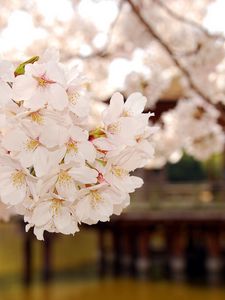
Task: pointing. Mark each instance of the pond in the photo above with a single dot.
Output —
(111, 290)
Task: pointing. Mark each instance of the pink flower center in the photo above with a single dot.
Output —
(43, 81)
(71, 146)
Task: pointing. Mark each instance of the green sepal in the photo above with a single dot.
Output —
(101, 161)
(20, 70)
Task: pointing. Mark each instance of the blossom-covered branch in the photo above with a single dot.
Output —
(169, 51)
(55, 170)
(187, 21)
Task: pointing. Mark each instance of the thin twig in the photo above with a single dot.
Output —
(169, 51)
(177, 63)
(188, 21)
(104, 52)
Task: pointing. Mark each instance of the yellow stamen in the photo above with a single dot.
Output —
(119, 172)
(36, 117)
(43, 81)
(86, 85)
(95, 197)
(32, 145)
(126, 113)
(56, 204)
(114, 128)
(71, 146)
(73, 97)
(18, 179)
(64, 178)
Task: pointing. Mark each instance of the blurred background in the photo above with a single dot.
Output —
(170, 243)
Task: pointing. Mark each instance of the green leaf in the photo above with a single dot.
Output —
(20, 70)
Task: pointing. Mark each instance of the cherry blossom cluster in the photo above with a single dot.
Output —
(54, 170)
(191, 127)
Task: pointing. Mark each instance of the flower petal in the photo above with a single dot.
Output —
(135, 104)
(84, 174)
(58, 98)
(115, 109)
(87, 150)
(42, 214)
(14, 140)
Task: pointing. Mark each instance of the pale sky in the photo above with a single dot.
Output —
(215, 18)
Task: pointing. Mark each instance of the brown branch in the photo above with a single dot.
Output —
(187, 21)
(169, 51)
(191, 23)
(191, 52)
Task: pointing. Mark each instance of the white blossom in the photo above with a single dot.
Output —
(40, 85)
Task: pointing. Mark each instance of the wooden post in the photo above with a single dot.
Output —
(27, 276)
(117, 251)
(143, 253)
(47, 267)
(102, 252)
